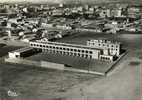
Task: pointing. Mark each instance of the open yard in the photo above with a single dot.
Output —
(72, 61)
(37, 84)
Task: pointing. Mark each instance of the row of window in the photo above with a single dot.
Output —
(62, 48)
(113, 49)
(69, 53)
(107, 45)
(105, 58)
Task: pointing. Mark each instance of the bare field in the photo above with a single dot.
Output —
(38, 84)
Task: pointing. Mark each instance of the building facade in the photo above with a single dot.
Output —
(111, 48)
(21, 53)
(83, 51)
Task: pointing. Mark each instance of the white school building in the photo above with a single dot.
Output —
(85, 51)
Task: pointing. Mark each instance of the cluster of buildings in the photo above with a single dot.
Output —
(104, 11)
(28, 21)
(90, 11)
(26, 29)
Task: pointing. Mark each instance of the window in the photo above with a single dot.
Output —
(82, 55)
(90, 52)
(53, 51)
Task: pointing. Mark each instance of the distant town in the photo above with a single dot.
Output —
(19, 20)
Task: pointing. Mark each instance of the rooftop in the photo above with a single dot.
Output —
(105, 41)
(70, 45)
(22, 49)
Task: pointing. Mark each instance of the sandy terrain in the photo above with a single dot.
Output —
(37, 84)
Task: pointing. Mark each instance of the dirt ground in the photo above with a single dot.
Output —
(37, 84)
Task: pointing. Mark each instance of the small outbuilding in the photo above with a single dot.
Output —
(23, 52)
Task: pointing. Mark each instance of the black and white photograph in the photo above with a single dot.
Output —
(70, 49)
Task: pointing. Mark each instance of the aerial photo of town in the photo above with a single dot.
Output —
(70, 49)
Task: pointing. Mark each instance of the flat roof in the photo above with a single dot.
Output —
(105, 41)
(22, 49)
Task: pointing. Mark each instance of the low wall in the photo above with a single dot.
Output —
(113, 65)
(22, 61)
(44, 64)
(50, 65)
(83, 71)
